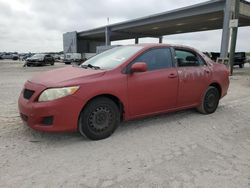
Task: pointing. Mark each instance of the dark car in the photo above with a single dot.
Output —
(214, 56)
(40, 59)
(239, 58)
(122, 84)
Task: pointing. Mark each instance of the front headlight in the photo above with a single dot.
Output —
(56, 93)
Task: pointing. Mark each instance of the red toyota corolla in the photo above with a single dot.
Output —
(121, 84)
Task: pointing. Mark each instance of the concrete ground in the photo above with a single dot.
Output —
(183, 149)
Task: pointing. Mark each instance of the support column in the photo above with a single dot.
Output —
(136, 40)
(107, 36)
(160, 39)
(234, 35)
(226, 30)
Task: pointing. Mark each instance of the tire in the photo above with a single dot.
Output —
(210, 101)
(99, 119)
(52, 63)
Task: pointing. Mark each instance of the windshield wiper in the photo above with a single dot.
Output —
(90, 66)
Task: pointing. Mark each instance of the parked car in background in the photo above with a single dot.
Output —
(40, 59)
(239, 58)
(25, 56)
(72, 57)
(13, 56)
(57, 57)
(121, 84)
(61, 57)
(214, 55)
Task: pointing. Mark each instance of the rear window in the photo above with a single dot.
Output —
(187, 58)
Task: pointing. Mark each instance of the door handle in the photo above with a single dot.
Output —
(172, 75)
(207, 71)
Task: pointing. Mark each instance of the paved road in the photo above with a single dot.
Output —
(184, 149)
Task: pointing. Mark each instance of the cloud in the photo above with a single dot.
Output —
(32, 25)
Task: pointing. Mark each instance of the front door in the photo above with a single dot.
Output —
(156, 89)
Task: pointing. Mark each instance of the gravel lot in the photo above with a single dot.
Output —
(184, 149)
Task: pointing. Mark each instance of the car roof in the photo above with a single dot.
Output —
(152, 45)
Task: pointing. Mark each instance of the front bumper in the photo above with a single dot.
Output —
(34, 62)
(60, 115)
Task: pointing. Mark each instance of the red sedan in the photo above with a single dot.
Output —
(121, 84)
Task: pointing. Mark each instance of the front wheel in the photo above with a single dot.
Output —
(210, 101)
(99, 119)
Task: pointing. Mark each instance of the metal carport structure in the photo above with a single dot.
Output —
(210, 15)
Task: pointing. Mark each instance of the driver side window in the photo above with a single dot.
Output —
(155, 59)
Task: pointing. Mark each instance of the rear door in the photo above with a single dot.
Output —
(156, 89)
(194, 76)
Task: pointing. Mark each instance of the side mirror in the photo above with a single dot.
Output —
(139, 67)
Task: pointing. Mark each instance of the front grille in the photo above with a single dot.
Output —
(27, 94)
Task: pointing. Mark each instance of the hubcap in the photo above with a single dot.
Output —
(100, 119)
(211, 101)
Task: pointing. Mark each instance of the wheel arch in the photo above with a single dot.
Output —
(114, 98)
(217, 86)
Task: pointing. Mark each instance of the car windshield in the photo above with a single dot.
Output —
(38, 56)
(112, 58)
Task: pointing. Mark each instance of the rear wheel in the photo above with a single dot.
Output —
(99, 119)
(52, 63)
(210, 101)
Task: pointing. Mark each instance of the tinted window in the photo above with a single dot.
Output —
(186, 59)
(156, 58)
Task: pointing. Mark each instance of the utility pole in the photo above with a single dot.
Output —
(235, 18)
(160, 39)
(107, 34)
(226, 29)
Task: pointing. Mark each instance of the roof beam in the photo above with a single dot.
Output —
(245, 9)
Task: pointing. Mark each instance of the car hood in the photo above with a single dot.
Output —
(66, 76)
